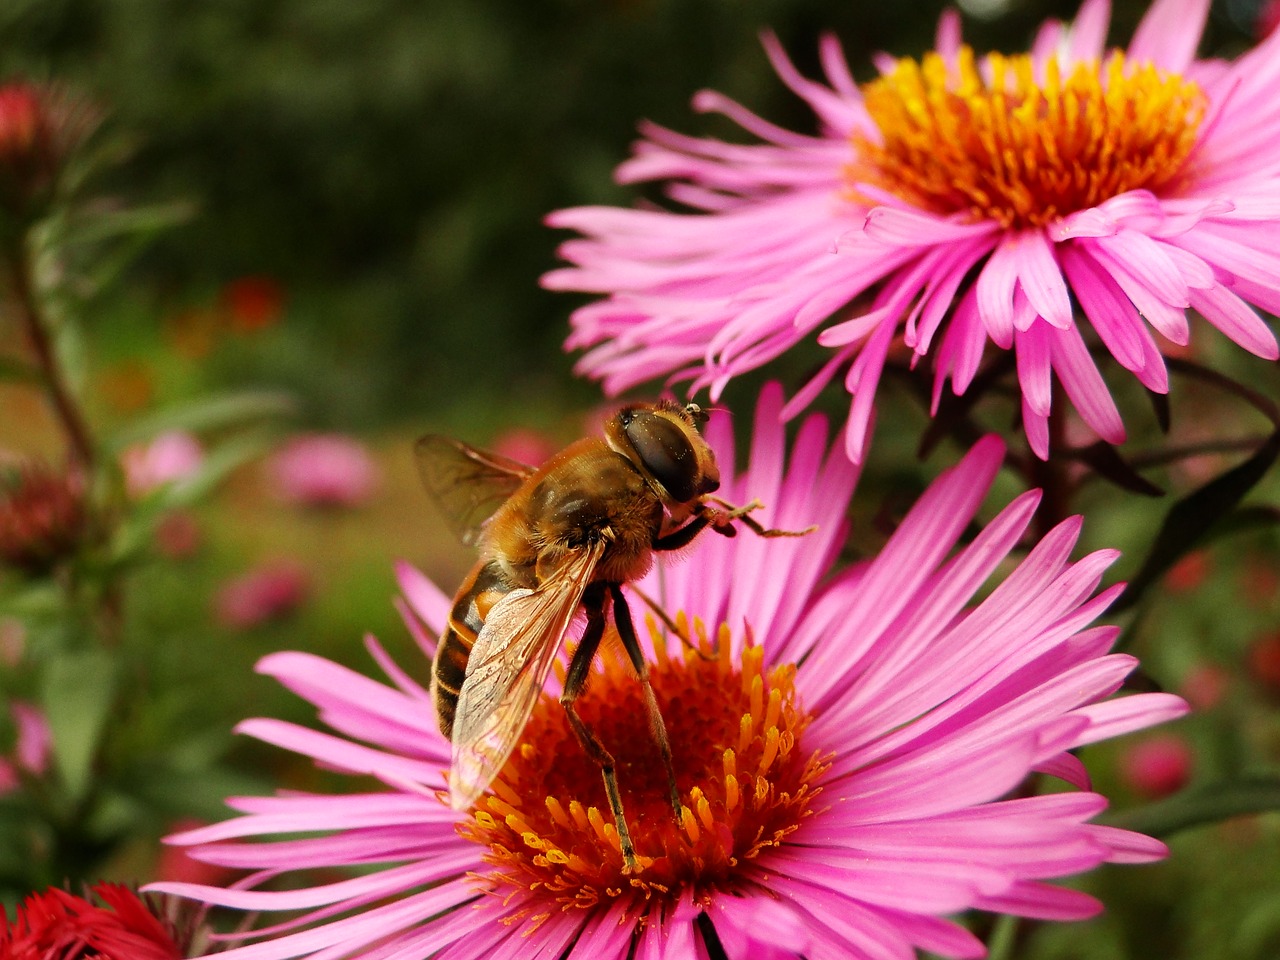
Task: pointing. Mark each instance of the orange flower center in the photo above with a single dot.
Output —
(744, 782)
(1020, 149)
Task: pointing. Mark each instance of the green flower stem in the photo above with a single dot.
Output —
(1197, 806)
(79, 439)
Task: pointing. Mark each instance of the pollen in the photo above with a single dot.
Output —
(1019, 143)
(744, 780)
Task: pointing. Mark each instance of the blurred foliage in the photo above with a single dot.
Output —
(389, 161)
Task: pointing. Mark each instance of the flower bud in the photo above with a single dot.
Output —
(42, 517)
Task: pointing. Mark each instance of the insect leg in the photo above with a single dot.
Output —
(657, 727)
(593, 602)
(719, 520)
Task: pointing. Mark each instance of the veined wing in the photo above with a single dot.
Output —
(469, 484)
(509, 664)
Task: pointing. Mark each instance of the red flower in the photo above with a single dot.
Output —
(39, 127)
(42, 517)
(253, 303)
(56, 925)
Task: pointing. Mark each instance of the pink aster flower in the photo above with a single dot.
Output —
(1030, 201)
(270, 592)
(171, 457)
(847, 746)
(1157, 766)
(324, 470)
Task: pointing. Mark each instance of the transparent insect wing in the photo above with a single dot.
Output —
(507, 669)
(467, 483)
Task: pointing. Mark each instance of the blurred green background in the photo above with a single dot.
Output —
(379, 170)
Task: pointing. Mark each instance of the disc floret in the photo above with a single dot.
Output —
(744, 779)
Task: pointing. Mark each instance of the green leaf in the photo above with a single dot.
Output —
(1106, 462)
(102, 225)
(210, 413)
(1201, 805)
(78, 693)
(1004, 938)
(1191, 518)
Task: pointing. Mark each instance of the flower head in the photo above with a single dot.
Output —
(39, 127)
(845, 745)
(272, 591)
(953, 202)
(1157, 766)
(110, 923)
(324, 470)
(171, 457)
(42, 516)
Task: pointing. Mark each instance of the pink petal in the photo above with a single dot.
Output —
(1169, 33)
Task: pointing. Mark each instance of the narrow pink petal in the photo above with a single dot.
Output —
(921, 888)
(764, 920)
(859, 328)
(815, 385)
(840, 926)
(1239, 321)
(1032, 352)
(869, 365)
(1041, 901)
(948, 37)
(1036, 427)
(1129, 847)
(1126, 714)
(341, 753)
(1110, 312)
(1169, 34)
(424, 597)
(1088, 35)
(995, 288)
(1149, 262)
(962, 347)
(1085, 386)
(905, 227)
(1041, 277)
(1068, 768)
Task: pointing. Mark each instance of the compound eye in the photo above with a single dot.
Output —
(666, 453)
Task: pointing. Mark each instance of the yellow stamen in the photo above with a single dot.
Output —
(1020, 149)
(734, 725)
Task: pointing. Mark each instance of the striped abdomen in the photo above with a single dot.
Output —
(483, 587)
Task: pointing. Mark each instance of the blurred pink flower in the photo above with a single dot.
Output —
(32, 747)
(178, 535)
(1263, 664)
(880, 720)
(324, 470)
(35, 741)
(171, 457)
(526, 446)
(271, 592)
(1157, 766)
(1204, 685)
(953, 202)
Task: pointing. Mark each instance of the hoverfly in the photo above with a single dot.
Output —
(565, 535)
